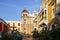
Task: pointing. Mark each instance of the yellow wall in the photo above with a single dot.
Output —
(49, 13)
(50, 19)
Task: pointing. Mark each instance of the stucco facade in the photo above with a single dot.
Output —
(27, 25)
(46, 14)
(14, 25)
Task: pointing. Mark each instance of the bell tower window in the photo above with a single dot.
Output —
(24, 14)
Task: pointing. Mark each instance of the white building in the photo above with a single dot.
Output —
(16, 25)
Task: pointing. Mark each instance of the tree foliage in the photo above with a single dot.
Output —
(12, 36)
(50, 35)
(35, 34)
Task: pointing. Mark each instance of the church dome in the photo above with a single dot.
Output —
(24, 10)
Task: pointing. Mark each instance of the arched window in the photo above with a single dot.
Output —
(52, 27)
(24, 19)
(24, 14)
(46, 28)
(45, 14)
(42, 15)
(18, 24)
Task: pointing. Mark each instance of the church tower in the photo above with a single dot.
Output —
(27, 25)
(25, 12)
(24, 20)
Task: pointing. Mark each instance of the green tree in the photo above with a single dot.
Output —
(15, 35)
(35, 33)
(55, 34)
(6, 36)
(45, 35)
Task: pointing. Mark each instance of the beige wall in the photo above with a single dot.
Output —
(16, 25)
(29, 25)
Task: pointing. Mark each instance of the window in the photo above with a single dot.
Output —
(45, 14)
(53, 26)
(24, 14)
(45, 28)
(8, 23)
(18, 24)
(42, 15)
(18, 28)
(24, 28)
(53, 10)
(45, 11)
(13, 24)
(24, 19)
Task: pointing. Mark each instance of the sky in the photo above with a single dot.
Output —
(12, 9)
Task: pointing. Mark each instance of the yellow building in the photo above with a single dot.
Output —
(46, 14)
(51, 12)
